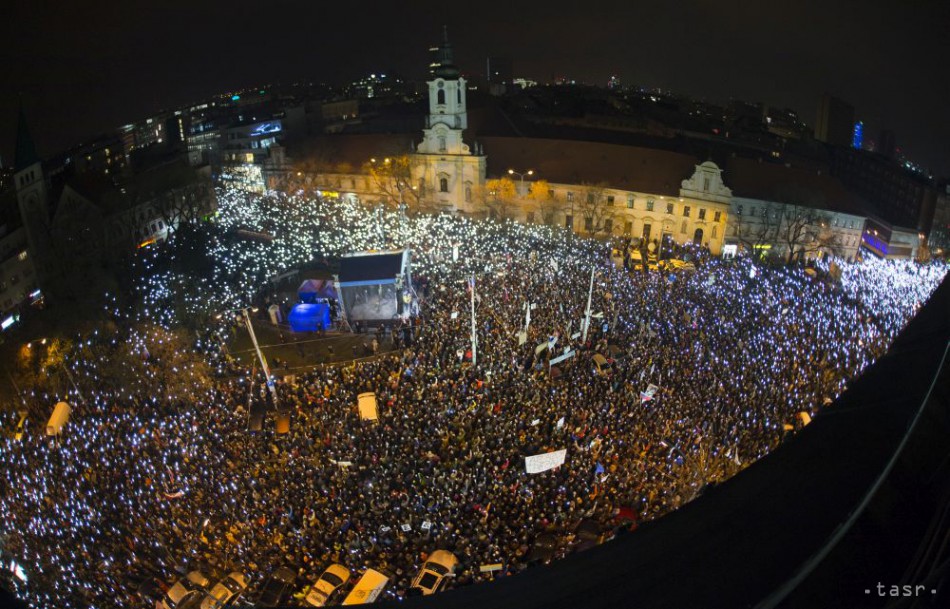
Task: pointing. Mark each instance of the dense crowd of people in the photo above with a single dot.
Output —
(160, 483)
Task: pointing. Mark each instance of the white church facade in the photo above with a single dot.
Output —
(447, 171)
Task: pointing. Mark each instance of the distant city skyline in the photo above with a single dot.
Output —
(84, 70)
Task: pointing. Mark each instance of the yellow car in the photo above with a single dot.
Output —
(332, 579)
(435, 573)
(20, 426)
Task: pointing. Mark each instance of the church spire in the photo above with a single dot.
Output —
(446, 67)
(25, 148)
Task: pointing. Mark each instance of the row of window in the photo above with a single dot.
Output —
(754, 212)
(650, 204)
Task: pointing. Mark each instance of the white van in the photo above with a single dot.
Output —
(367, 589)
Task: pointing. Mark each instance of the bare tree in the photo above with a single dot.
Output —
(805, 227)
(499, 197)
(183, 206)
(759, 229)
(802, 232)
(597, 213)
(393, 178)
(548, 203)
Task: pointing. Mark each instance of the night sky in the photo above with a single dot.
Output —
(84, 68)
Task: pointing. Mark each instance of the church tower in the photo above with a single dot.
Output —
(32, 194)
(449, 172)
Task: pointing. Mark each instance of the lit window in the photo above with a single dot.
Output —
(686, 211)
(630, 202)
(702, 213)
(669, 208)
(443, 185)
(570, 196)
(649, 204)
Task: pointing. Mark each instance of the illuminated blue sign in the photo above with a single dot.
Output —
(235, 97)
(265, 128)
(858, 138)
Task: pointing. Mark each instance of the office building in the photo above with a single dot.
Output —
(835, 121)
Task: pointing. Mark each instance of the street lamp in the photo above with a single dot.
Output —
(530, 172)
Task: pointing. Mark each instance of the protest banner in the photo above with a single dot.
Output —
(561, 358)
(535, 464)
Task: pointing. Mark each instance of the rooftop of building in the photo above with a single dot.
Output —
(794, 185)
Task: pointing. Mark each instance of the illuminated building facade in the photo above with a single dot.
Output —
(446, 169)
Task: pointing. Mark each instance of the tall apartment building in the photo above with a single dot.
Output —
(835, 121)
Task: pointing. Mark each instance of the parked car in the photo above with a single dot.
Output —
(225, 591)
(277, 588)
(332, 580)
(367, 589)
(186, 591)
(21, 425)
(435, 573)
(542, 552)
(602, 365)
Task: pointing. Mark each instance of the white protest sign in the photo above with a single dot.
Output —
(536, 464)
(455, 314)
(561, 358)
(540, 348)
(522, 338)
(367, 406)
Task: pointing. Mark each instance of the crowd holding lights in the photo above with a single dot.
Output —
(156, 471)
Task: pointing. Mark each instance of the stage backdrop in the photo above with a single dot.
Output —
(375, 286)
